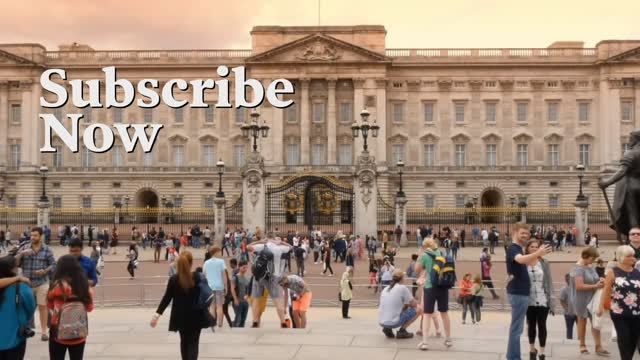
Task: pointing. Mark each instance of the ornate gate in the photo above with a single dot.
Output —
(308, 202)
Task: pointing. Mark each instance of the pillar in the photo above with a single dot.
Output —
(582, 222)
(366, 197)
(220, 224)
(381, 120)
(4, 123)
(401, 218)
(358, 105)
(27, 126)
(253, 193)
(43, 213)
(331, 122)
(305, 122)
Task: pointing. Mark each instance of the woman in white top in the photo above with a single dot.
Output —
(540, 301)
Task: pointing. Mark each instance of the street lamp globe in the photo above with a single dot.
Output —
(364, 114)
(355, 129)
(220, 166)
(43, 170)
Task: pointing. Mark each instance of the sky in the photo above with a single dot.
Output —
(215, 24)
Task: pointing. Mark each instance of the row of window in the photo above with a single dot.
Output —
(461, 200)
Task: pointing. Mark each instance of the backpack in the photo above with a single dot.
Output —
(205, 297)
(73, 322)
(262, 267)
(443, 272)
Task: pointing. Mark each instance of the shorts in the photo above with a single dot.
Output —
(40, 293)
(303, 303)
(218, 297)
(431, 296)
(406, 315)
(272, 285)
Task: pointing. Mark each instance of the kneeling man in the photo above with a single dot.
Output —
(398, 309)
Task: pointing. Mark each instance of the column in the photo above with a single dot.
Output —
(381, 120)
(614, 123)
(43, 213)
(276, 121)
(414, 123)
(331, 122)
(581, 221)
(305, 122)
(401, 219)
(358, 105)
(37, 125)
(220, 219)
(26, 125)
(4, 123)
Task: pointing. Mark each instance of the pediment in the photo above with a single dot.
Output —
(398, 138)
(523, 137)
(7, 58)
(553, 137)
(461, 138)
(318, 48)
(586, 137)
(208, 138)
(430, 138)
(629, 55)
(178, 138)
(492, 137)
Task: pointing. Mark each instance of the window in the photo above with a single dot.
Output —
(522, 109)
(177, 201)
(208, 202)
(208, 185)
(86, 185)
(87, 158)
(461, 201)
(523, 183)
(55, 185)
(554, 155)
(209, 114)
(86, 202)
(178, 155)
(86, 114)
(116, 152)
(626, 110)
(490, 84)
(553, 184)
(398, 112)
(428, 184)
(583, 112)
(461, 154)
(490, 112)
(429, 113)
(429, 155)
(552, 84)
(240, 115)
(318, 112)
(397, 152)
(147, 159)
(148, 116)
(293, 154)
(16, 113)
(117, 115)
(238, 155)
(116, 185)
(429, 201)
(291, 113)
(492, 155)
(15, 155)
(459, 111)
(318, 154)
(552, 111)
(208, 156)
(523, 199)
(584, 154)
(57, 202)
(345, 156)
(179, 115)
(346, 112)
(13, 201)
(522, 84)
(460, 184)
(554, 201)
(177, 185)
(523, 154)
(57, 157)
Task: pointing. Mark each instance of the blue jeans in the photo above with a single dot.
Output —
(570, 320)
(519, 305)
(241, 313)
(196, 242)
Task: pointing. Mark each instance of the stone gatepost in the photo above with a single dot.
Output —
(401, 218)
(253, 193)
(43, 213)
(582, 222)
(366, 196)
(220, 225)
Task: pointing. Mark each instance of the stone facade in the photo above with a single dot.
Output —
(489, 123)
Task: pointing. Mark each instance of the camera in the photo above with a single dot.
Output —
(26, 332)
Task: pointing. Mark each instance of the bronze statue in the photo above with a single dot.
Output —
(625, 213)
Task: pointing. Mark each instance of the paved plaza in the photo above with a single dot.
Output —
(125, 334)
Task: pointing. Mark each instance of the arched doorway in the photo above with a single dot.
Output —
(147, 198)
(491, 198)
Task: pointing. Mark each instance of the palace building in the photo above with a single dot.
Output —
(490, 124)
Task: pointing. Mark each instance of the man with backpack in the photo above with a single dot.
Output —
(267, 272)
(440, 276)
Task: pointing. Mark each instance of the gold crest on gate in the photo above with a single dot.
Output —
(292, 202)
(326, 202)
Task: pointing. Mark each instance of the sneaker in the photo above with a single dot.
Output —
(423, 346)
(463, 322)
(44, 337)
(388, 333)
(448, 343)
(403, 334)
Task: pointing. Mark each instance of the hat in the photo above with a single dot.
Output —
(75, 242)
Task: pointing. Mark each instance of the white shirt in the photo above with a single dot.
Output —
(278, 250)
(537, 297)
(485, 235)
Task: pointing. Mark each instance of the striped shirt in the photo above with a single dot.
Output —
(37, 261)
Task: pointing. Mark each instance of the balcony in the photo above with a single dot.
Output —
(146, 57)
(494, 55)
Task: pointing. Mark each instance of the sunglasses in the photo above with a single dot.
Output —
(634, 234)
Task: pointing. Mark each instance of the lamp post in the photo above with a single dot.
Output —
(364, 128)
(254, 130)
(400, 166)
(43, 174)
(220, 167)
(581, 196)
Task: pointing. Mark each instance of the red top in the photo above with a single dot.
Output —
(465, 287)
(55, 300)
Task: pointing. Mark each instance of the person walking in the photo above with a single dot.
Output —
(132, 256)
(412, 274)
(215, 271)
(183, 291)
(519, 285)
(622, 287)
(464, 298)
(540, 301)
(327, 260)
(583, 283)
(485, 271)
(240, 292)
(69, 286)
(346, 291)
(17, 305)
(569, 313)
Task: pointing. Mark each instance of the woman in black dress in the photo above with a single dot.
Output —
(183, 292)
